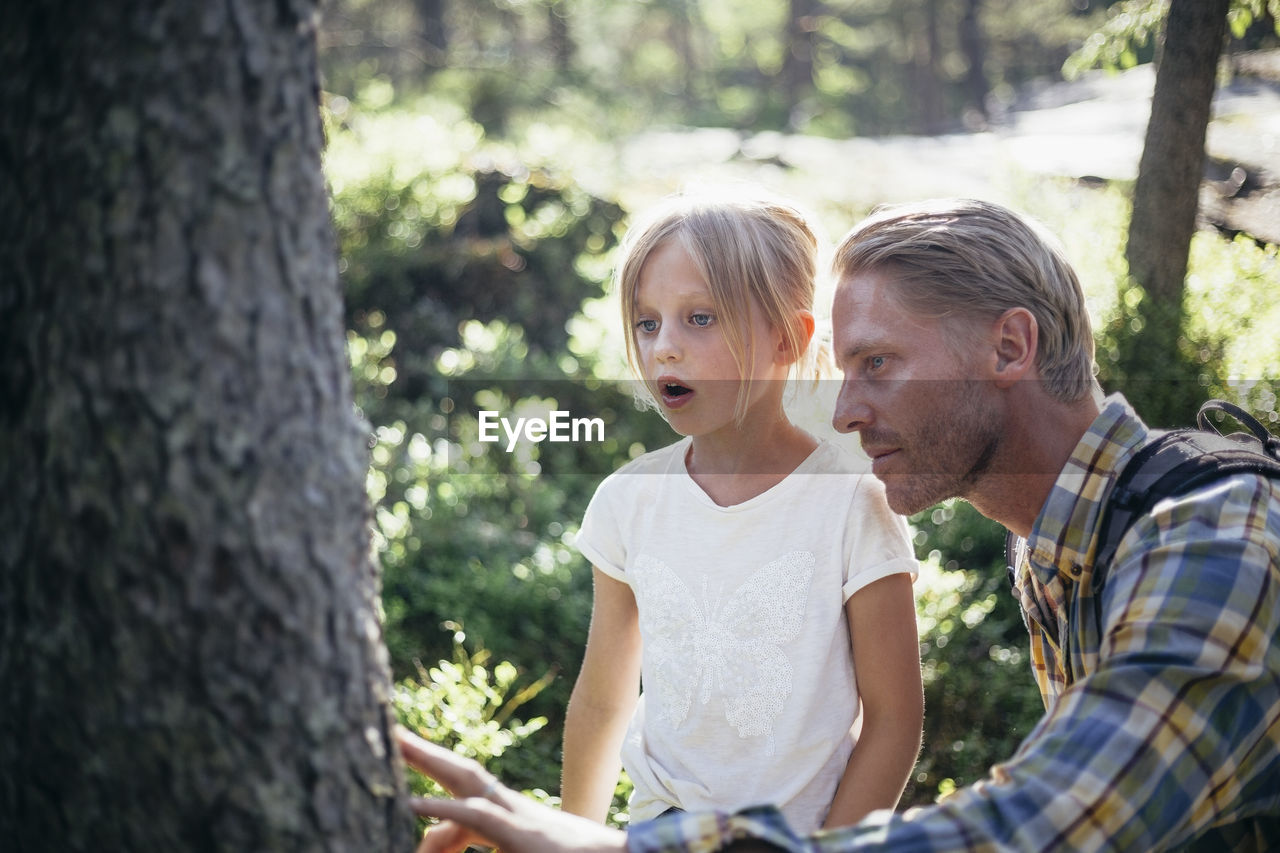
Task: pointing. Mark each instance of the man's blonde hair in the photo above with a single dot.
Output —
(748, 247)
(961, 259)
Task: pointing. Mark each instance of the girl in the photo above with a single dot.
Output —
(748, 571)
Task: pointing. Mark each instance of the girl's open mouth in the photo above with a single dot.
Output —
(674, 394)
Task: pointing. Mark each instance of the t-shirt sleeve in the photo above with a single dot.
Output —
(600, 537)
(879, 541)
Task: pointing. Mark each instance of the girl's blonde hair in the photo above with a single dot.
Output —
(747, 247)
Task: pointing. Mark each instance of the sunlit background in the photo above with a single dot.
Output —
(484, 158)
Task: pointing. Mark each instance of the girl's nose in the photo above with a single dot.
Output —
(666, 344)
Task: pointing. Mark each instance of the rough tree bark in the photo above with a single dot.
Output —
(1159, 378)
(189, 650)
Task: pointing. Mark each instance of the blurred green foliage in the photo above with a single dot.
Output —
(468, 704)
(1133, 27)
(1226, 346)
(436, 226)
(980, 699)
(832, 68)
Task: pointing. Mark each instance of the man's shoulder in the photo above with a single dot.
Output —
(1223, 500)
(1228, 518)
(1193, 480)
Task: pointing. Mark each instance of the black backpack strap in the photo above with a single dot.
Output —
(1178, 461)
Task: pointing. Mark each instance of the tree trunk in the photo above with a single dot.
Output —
(1164, 206)
(189, 649)
(925, 73)
(435, 33)
(681, 31)
(977, 89)
(562, 46)
(797, 62)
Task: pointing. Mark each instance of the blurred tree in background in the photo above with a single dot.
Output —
(479, 195)
(1161, 375)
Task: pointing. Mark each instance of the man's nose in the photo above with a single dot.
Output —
(852, 412)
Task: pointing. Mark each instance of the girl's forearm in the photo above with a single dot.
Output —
(603, 700)
(876, 774)
(592, 741)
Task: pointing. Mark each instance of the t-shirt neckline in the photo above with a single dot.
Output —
(681, 465)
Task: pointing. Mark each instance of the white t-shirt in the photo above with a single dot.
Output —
(749, 692)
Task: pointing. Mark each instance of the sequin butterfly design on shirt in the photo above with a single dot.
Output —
(730, 648)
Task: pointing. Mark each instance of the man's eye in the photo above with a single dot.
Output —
(647, 325)
(702, 319)
(875, 362)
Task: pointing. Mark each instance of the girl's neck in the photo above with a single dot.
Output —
(736, 465)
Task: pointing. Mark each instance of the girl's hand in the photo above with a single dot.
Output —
(484, 811)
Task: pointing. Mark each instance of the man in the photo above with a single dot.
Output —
(968, 371)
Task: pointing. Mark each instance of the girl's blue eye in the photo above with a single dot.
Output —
(647, 325)
(702, 319)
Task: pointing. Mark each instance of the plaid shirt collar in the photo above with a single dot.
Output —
(1064, 535)
(1056, 560)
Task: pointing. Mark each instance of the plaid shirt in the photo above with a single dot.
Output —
(1162, 684)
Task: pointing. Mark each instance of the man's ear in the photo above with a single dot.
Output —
(806, 327)
(1016, 336)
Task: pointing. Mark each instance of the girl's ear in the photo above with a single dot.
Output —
(805, 326)
(1016, 337)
